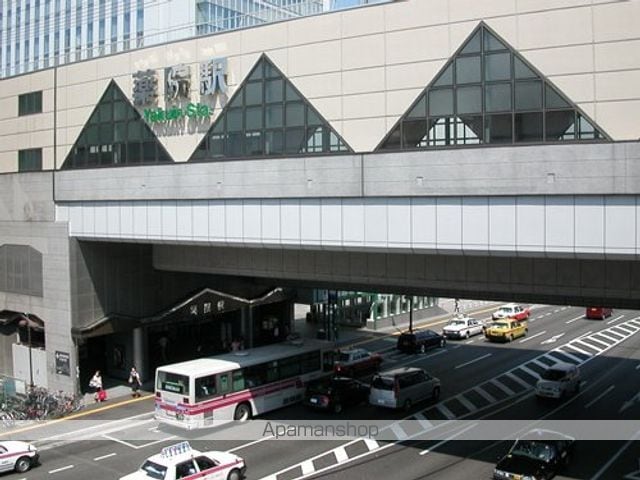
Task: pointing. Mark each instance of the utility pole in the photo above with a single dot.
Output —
(411, 313)
(27, 322)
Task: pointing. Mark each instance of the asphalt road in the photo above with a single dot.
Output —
(480, 380)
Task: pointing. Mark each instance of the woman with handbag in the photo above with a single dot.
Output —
(96, 384)
(134, 382)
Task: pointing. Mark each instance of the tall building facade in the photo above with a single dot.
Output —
(37, 34)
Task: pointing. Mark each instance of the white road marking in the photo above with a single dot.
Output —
(245, 445)
(625, 329)
(539, 363)
(341, 455)
(546, 315)
(448, 439)
(517, 379)
(307, 467)
(539, 316)
(445, 411)
(606, 466)
(456, 347)
(60, 469)
(574, 319)
(566, 354)
(553, 339)
(371, 443)
(487, 396)
(469, 342)
(108, 455)
(121, 442)
(398, 431)
(524, 340)
(531, 372)
(474, 360)
(422, 420)
(601, 342)
(611, 387)
(502, 387)
(592, 347)
(556, 310)
(614, 320)
(608, 337)
(638, 367)
(467, 403)
(579, 350)
(629, 403)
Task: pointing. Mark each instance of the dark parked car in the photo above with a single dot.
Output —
(335, 393)
(420, 341)
(539, 454)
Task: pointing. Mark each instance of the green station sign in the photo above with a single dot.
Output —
(192, 110)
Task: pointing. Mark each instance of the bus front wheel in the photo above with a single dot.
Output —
(243, 412)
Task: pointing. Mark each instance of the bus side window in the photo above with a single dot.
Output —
(223, 383)
(255, 375)
(272, 371)
(238, 381)
(290, 367)
(205, 388)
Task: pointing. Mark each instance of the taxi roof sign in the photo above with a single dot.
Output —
(177, 449)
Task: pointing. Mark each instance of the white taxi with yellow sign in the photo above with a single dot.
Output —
(181, 462)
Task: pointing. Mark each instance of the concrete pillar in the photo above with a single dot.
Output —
(140, 354)
(246, 322)
(385, 306)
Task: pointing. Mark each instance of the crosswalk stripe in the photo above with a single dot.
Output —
(566, 354)
(601, 342)
(630, 326)
(517, 379)
(484, 394)
(592, 347)
(533, 373)
(398, 431)
(307, 467)
(422, 420)
(467, 403)
(502, 386)
(371, 443)
(445, 411)
(539, 363)
(608, 337)
(619, 336)
(625, 331)
(341, 454)
(577, 349)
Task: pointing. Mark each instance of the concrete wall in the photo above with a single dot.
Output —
(360, 68)
(529, 279)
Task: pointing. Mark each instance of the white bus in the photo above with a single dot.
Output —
(239, 385)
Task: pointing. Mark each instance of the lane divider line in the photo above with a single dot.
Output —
(108, 455)
(600, 396)
(62, 469)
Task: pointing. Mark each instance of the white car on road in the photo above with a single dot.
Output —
(462, 327)
(181, 461)
(18, 456)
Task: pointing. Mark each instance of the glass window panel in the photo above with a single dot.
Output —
(120, 111)
(498, 97)
(147, 133)
(149, 152)
(313, 118)
(134, 154)
(253, 118)
(236, 101)
(529, 95)
(253, 93)
(295, 140)
(414, 133)
(522, 70)
(468, 70)
(393, 140)
(273, 116)
(441, 132)
(273, 90)
(419, 110)
(235, 141)
(497, 66)
(92, 135)
(234, 120)
(446, 77)
(469, 130)
(528, 127)
(336, 145)
(135, 131)
(270, 71)
(290, 93)
(106, 155)
(253, 143)
(315, 137)
(469, 100)
(441, 102)
(257, 72)
(560, 125)
(274, 142)
(553, 98)
(586, 131)
(473, 45)
(295, 114)
(120, 132)
(216, 145)
(491, 43)
(106, 133)
(498, 129)
(106, 113)
(94, 157)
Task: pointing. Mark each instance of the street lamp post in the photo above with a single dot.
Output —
(25, 322)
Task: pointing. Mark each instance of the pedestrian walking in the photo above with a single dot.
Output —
(96, 384)
(134, 382)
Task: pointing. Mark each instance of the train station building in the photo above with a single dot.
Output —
(148, 196)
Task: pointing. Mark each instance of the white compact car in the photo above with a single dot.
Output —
(18, 456)
(559, 380)
(462, 327)
(181, 461)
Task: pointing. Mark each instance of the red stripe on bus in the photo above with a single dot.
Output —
(228, 399)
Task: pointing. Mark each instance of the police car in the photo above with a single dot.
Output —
(180, 461)
(18, 456)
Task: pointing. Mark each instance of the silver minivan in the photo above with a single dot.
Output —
(559, 380)
(402, 387)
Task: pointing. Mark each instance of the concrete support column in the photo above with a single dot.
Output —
(385, 306)
(246, 322)
(140, 354)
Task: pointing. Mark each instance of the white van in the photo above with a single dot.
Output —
(559, 380)
(402, 387)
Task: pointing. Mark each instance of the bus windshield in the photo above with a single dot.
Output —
(173, 382)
